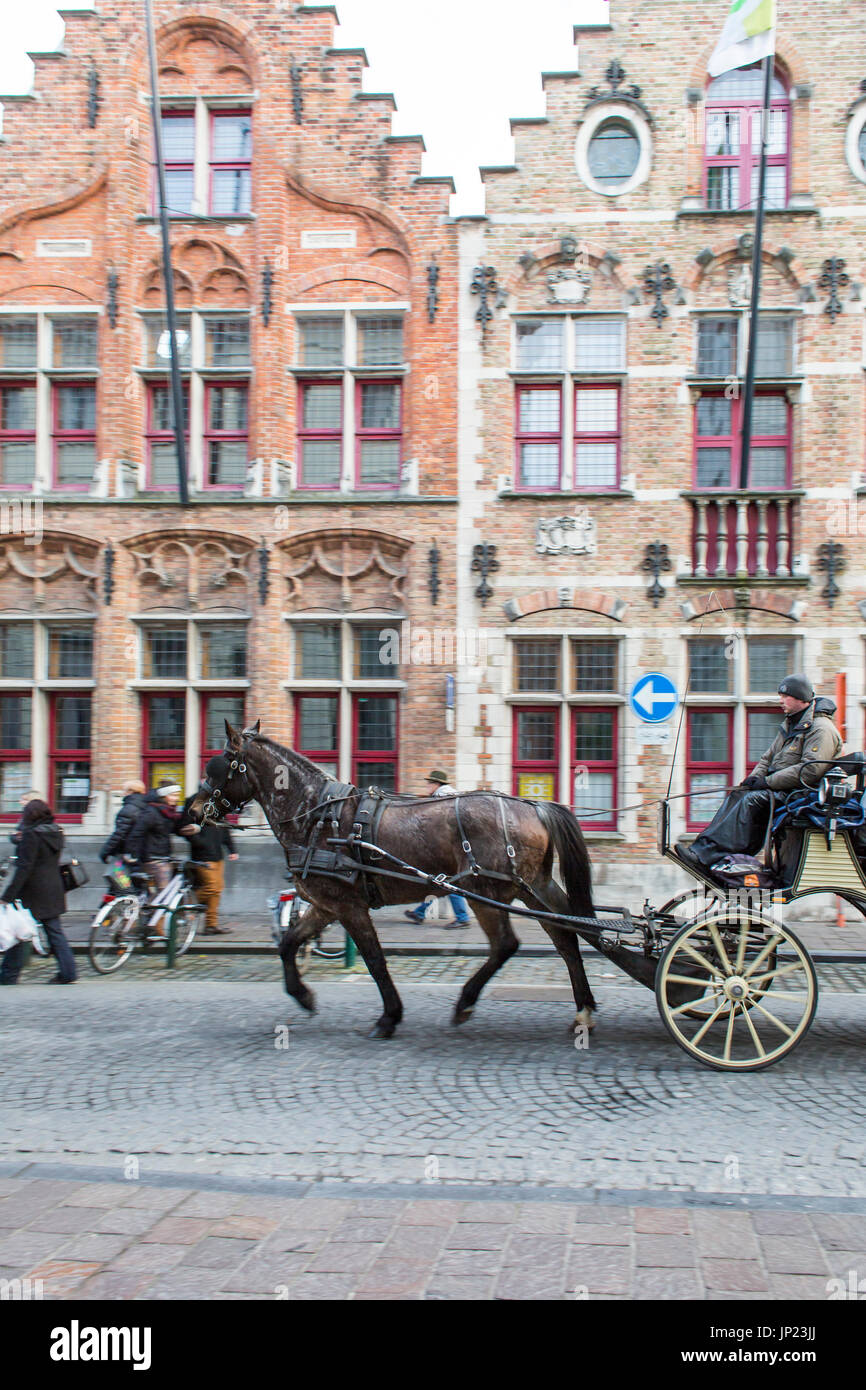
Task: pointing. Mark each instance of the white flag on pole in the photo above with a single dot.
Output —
(748, 36)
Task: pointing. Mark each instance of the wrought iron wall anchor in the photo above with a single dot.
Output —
(484, 284)
(657, 561)
(831, 561)
(484, 562)
(108, 574)
(267, 292)
(297, 93)
(432, 290)
(264, 564)
(834, 278)
(657, 281)
(112, 282)
(433, 581)
(93, 98)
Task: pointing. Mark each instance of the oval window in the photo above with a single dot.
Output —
(861, 148)
(613, 154)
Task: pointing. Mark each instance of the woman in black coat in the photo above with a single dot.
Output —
(37, 884)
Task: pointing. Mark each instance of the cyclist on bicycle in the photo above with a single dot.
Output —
(149, 841)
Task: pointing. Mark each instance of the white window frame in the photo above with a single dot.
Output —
(351, 371)
(44, 376)
(568, 377)
(346, 685)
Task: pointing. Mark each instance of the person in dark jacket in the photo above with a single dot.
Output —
(806, 745)
(132, 805)
(37, 884)
(149, 841)
(208, 846)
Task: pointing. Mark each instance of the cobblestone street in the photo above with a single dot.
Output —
(212, 1076)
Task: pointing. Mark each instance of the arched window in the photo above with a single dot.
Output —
(733, 141)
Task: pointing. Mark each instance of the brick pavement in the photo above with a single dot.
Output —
(122, 1240)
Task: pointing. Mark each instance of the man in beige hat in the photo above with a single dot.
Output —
(438, 785)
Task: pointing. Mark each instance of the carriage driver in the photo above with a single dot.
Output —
(806, 733)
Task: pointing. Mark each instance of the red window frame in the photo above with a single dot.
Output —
(523, 766)
(175, 164)
(19, 436)
(538, 437)
(149, 754)
(367, 755)
(724, 769)
(734, 441)
(60, 436)
(206, 696)
(223, 436)
(607, 765)
(214, 164)
(17, 755)
(318, 434)
(316, 755)
(155, 436)
(601, 437)
(747, 159)
(362, 434)
(66, 755)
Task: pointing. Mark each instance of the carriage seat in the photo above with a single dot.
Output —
(818, 840)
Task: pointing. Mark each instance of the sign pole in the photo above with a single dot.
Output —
(176, 384)
(756, 278)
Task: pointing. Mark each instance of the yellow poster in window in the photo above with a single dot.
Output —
(539, 785)
(174, 772)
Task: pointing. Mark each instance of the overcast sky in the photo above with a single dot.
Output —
(458, 68)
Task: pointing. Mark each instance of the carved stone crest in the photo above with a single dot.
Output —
(567, 535)
(569, 284)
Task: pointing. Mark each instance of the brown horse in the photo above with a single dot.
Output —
(423, 832)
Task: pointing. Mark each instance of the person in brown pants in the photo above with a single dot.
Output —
(208, 846)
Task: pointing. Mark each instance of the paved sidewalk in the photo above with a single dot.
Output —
(124, 1240)
(394, 929)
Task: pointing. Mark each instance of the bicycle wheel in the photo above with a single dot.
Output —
(331, 944)
(112, 934)
(184, 919)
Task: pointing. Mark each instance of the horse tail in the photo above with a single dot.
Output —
(567, 839)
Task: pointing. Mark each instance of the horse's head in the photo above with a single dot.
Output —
(227, 784)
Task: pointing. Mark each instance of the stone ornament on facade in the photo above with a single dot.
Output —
(567, 535)
(195, 568)
(739, 285)
(352, 569)
(569, 284)
(70, 565)
(204, 271)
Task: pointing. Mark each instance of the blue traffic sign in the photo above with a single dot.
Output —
(653, 697)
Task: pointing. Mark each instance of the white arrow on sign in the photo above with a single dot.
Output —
(648, 699)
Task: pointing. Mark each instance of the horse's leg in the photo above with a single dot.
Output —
(503, 943)
(567, 944)
(313, 921)
(356, 919)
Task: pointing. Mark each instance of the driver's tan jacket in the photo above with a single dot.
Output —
(787, 763)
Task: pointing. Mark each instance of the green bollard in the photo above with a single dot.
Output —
(171, 945)
(350, 953)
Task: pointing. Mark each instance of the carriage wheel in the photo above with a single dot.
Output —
(688, 907)
(734, 958)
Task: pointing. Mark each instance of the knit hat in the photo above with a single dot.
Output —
(799, 687)
(168, 789)
(437, 776)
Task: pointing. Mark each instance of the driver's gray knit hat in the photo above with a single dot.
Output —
(799, 687)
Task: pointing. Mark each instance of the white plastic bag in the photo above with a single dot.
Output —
(21, 923)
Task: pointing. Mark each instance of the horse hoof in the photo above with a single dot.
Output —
(462, 1015)
(307, 1002)
(584, 1019)
(381, 1030)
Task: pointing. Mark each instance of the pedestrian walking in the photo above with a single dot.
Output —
(37, 884)
(438, 785)
(209, 845)
(149, 840)
(131, 807)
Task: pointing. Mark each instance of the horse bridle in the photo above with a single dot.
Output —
(216, 794)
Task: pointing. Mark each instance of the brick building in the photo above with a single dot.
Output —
(315, 279)
(604, 298)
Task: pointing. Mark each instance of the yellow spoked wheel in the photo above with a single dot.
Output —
(713, 983)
